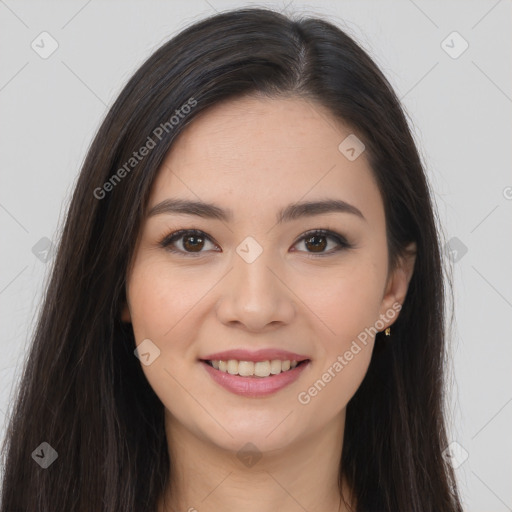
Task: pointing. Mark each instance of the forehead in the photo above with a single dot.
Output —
(256, 152)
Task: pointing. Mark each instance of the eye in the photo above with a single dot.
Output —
(192, 241)
(316, 241)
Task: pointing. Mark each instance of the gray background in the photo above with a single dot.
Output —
(460, 108)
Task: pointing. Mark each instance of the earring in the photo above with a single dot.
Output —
(387, 332)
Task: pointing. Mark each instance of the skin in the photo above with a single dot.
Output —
(254, 156)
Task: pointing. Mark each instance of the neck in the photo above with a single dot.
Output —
(301, 476)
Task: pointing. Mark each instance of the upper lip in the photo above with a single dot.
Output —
(267, 354)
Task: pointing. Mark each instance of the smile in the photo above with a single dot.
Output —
(253, 368)
(254, 378)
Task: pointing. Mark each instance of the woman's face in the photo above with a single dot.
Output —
(251, 279)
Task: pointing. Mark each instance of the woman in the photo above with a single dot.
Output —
(246, 310)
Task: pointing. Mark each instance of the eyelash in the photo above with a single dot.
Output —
(177, 235)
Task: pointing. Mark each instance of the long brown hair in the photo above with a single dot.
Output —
(83, 391)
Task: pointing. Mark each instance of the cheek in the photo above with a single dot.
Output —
(346, 299)
(344, 356)
(331, 388)
(162, 296)
(163, 308)
(167, 306)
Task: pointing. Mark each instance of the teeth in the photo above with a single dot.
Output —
(245, 368)
(261, 369)
(232, 367)
(250, 368)
(275, 366)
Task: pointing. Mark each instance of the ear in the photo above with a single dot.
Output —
(398, 281)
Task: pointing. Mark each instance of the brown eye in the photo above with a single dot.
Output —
(317, 241)
(192, 241)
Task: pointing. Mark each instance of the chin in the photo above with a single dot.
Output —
(267, 433)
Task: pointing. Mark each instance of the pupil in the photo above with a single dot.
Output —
(317, 246)
(194, 244)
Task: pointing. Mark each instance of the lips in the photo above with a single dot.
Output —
(255, 386)
(255, 356)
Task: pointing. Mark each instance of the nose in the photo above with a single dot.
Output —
(255, 295)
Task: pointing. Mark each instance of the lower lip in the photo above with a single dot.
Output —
(255, 386)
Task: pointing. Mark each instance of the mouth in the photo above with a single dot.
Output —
(254, 369)
(254, 379)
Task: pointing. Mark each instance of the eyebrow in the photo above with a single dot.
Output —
(291, 212)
